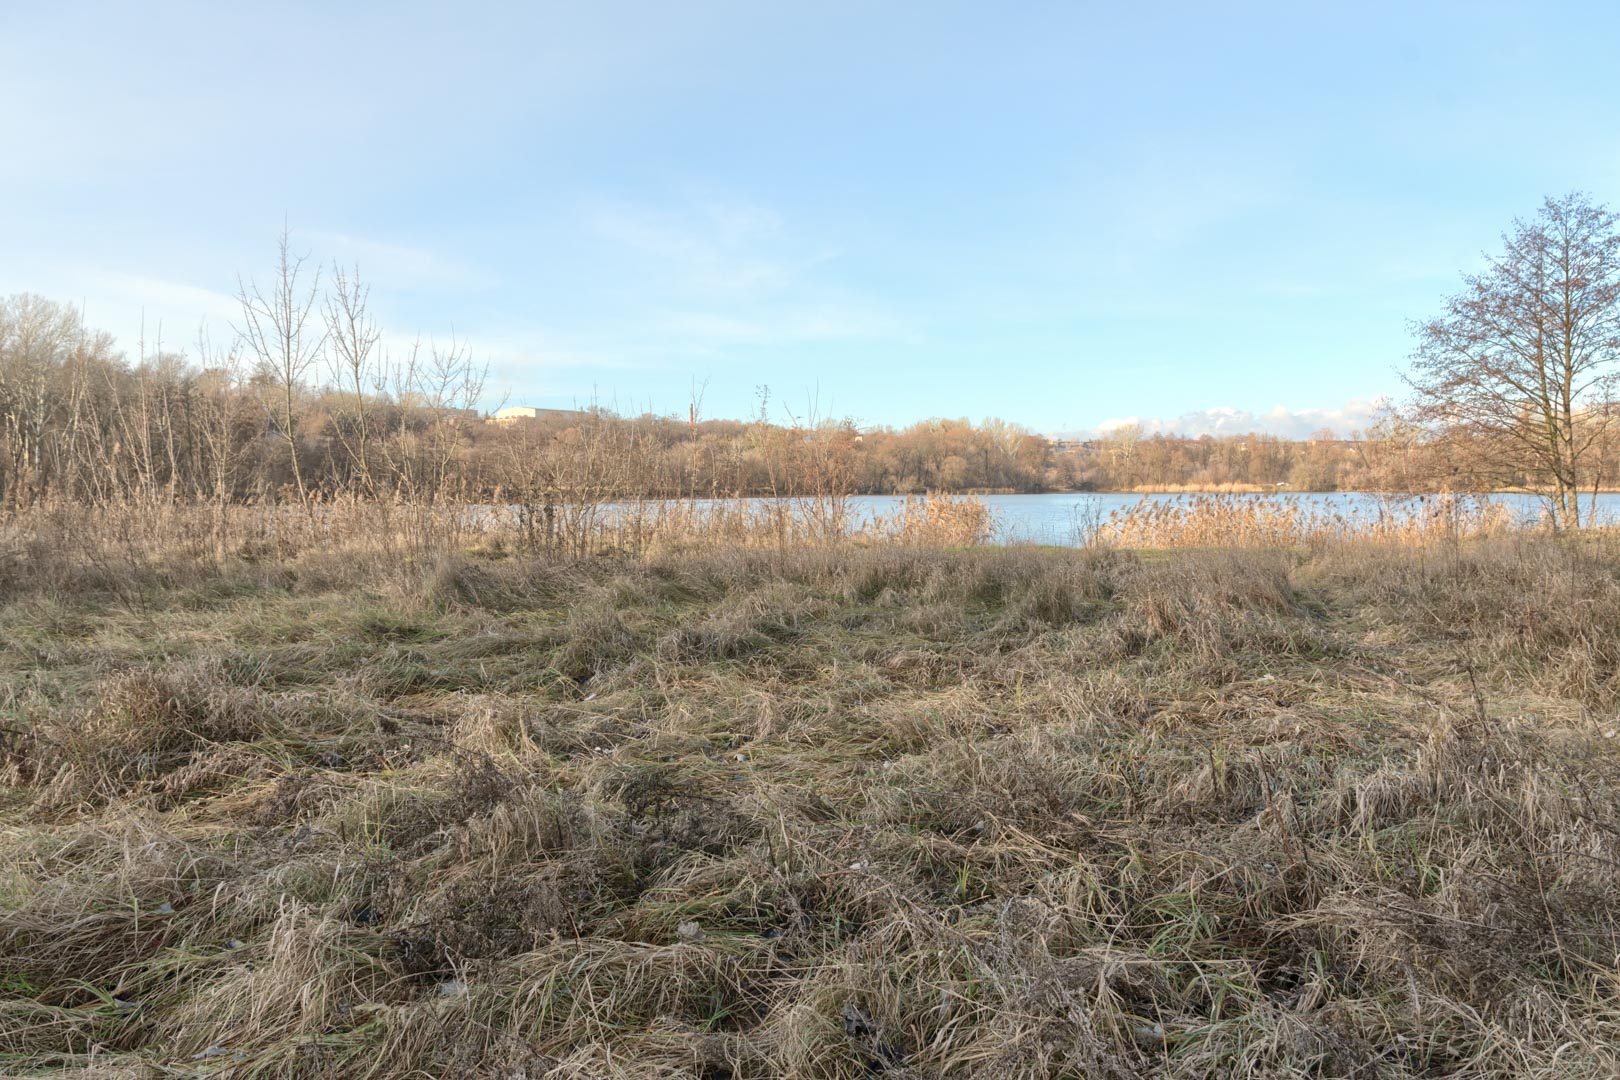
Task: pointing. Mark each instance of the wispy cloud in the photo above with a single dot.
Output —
(524, 357)
(133, 306)
(395, 265)
(809, 324)
(724, 249)
(711, 276)
(171, 297)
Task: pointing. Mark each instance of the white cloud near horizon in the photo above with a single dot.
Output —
(1355, 415)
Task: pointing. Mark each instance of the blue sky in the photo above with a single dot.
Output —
(1061, 214)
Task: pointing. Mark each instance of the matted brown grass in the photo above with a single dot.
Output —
(835, 812)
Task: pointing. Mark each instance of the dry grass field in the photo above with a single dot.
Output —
(843, 811)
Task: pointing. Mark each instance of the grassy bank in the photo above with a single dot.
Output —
(822, 812)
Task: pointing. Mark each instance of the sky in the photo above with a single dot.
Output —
(1193, 216)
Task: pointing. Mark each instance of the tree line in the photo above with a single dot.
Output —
(1513, 386)
(219, 422)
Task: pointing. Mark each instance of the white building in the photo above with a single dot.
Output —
(512, 414)
(515, 412)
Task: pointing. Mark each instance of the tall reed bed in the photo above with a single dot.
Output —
(1283, 521)
(122, 544)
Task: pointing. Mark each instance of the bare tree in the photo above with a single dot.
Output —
(1523, 362)
(352, 334)
(219, 415)
(820, 456)
(449, 387)
(1122, 442)
(35, 336)
(276, 327)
